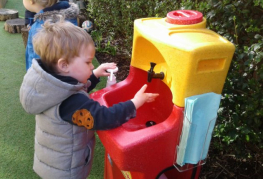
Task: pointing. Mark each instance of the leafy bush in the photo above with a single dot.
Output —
(241, 114)
(240, 21)
(103, 47)
(115, 17)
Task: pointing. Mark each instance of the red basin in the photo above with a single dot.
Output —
(133, 146)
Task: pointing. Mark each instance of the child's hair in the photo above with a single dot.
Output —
(58, 40)
(46, 3)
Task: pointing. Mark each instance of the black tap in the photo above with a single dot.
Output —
(152, 74)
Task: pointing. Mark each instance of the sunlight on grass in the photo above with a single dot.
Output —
(16, 5)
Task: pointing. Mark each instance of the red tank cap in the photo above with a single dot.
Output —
(184, 17)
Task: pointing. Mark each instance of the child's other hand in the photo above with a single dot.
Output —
(140, 97)
(101, 70)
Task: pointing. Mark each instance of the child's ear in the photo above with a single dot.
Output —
(62, 66)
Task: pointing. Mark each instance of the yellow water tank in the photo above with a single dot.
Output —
(194, 60)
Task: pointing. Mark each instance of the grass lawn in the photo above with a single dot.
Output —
(17, 128)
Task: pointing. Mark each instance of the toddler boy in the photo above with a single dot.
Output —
(54, 90)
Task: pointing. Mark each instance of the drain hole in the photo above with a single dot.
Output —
(150, 123)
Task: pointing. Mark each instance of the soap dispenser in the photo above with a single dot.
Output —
(112, 78)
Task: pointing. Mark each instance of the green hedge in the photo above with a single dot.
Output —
(241, 22)
(241, 114)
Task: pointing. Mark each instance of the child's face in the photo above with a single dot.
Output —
(28, 5)
(81, 67)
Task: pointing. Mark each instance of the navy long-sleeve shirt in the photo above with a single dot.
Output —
(81, 108)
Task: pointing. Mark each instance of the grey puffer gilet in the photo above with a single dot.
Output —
(62, 150)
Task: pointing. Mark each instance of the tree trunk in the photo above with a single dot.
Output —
(14, 25)
(6, 14)
(2, 3)
(24, 32)
(81, 18)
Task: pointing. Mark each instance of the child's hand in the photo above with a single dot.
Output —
(140, 97)
(101, 70)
